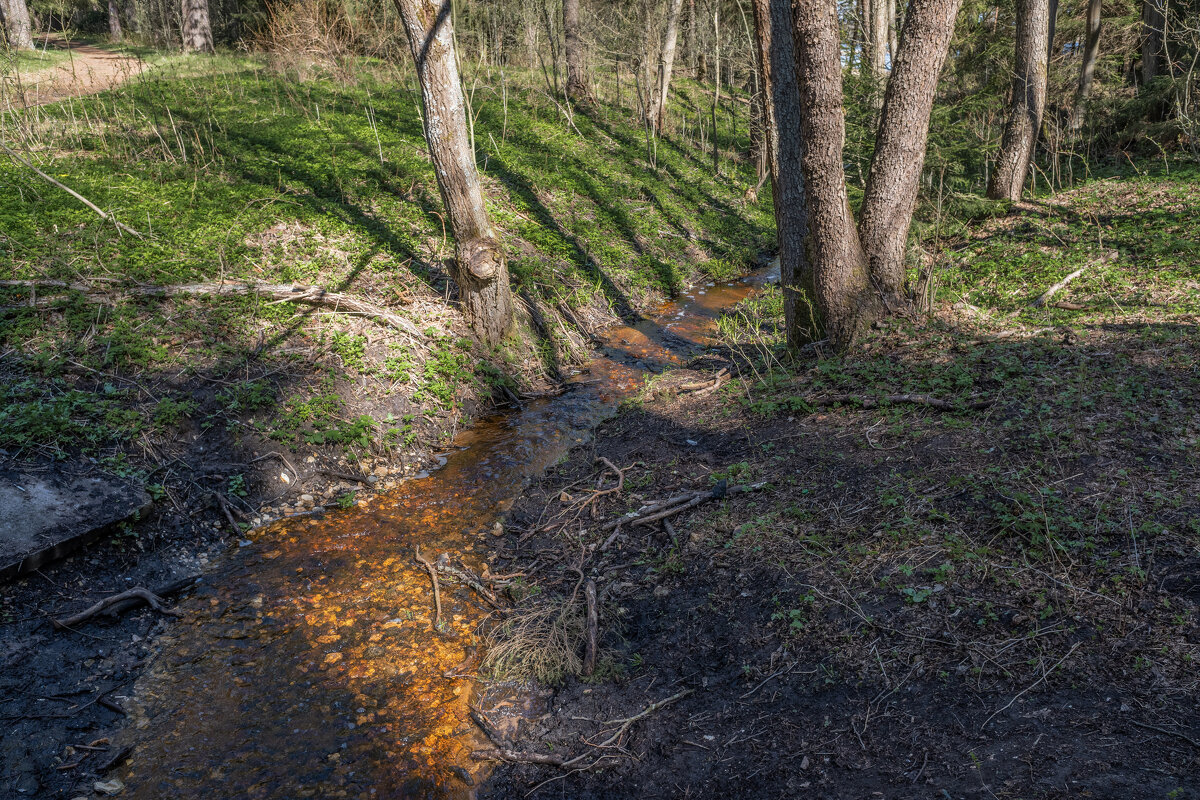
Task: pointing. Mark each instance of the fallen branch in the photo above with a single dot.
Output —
(704, 387)
(1053, 290)
(1031, 686)
(869, 401)
(437, 592)
(678, 503)
(103, 214)
(161, 592)
(154, 601)
(589, 658)
(224, 504)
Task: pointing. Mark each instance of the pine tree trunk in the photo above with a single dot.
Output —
(114, 21)
(845, 299)
(893, 32)
(577, 83)
(1087, 69)
(479, 267)
(891, 193)
(1024, 118)
(197, 29)
(784, 147)
(18, 32)
(666, 64)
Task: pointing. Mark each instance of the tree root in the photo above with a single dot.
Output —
(138, 592)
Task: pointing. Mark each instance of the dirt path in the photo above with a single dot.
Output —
(90, 69)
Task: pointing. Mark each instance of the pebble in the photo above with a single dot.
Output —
(110, 788)
(498, 529)
(306, 499)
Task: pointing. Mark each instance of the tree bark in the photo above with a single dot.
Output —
(879, 37)
(666, 63)
(14, 17)
(844, 296)
(891, 193)
(479, 266)
(1028, 101)
(784, 147)
(1153, 22)
(577, 83)
(197, 28)
(1087, 69)
(114, 21)
(893, 32)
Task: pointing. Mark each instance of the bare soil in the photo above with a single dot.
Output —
(890, 616)
(89, 70)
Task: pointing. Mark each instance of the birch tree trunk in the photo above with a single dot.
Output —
(577, 83)
(479, 266)
(1087, 68)
(891, 193)
(658, 110)
(1028, 101)
(844, 297)
(784, 147)
(197, 29)
(114, 21)
(18, 32)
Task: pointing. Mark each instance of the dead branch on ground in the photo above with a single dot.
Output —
(437, 592)
(153, 600)
(680, 503)
(589, 659)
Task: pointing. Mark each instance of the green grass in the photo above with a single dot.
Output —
(236, 171)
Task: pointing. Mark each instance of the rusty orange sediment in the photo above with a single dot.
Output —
(306, 664)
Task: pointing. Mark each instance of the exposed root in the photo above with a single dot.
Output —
(138, 592)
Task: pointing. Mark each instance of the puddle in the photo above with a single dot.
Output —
(306, 665)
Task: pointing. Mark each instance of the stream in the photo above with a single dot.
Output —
(305, 664)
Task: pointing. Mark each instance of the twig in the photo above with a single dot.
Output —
(589, 659)
(152, 599)
(103, 214)
(1167, 731)
(224, 504)
(1043, 677)
(437, 592)
(1053, 290)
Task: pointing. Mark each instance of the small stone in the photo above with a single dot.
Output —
(804, 763)
(498, 529)
(372, 479)
(310, 460)
(306, 499)
(661, 591)
(563, 497)
(317, 511)
(381, 472)
(110, 788)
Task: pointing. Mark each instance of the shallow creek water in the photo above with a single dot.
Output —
(306, 664)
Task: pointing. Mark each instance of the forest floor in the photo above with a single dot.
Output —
(995, 601)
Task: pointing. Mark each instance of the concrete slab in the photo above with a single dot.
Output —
(45, 516)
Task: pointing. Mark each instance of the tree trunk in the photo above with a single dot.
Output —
(879, 37)
(197, 30)
(18, 32)
(479, 267)
(891, 193)
(114, 21)
(1028, 100)
(577, 83)
(1153, 22)
(844, 296)
(784, 147)
(893, 32)
(666, 63)
(1087, 69)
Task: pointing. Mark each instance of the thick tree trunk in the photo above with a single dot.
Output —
(114, 21)
(891, 193)
(784, 147)
(197, 29)
(1028, 100)
(577, 83)
(18, 32)
(893, 32)
(479, 267)
(666, 62)
(1087, 69)
(845, 299)
(1153, 22)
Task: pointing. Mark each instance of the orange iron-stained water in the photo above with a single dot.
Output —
(306, 665)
